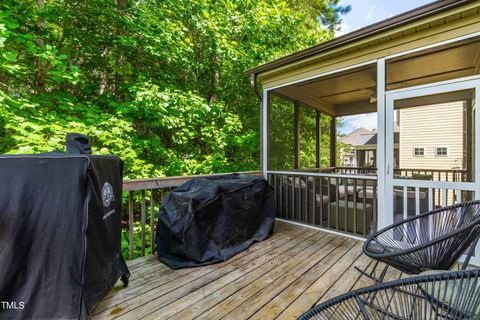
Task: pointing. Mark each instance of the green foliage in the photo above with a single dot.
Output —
(158, 83)
(282, 136)
(137, 240)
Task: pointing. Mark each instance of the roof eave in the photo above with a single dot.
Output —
(374, 29)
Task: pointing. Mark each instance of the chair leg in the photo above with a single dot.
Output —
(470, 252)
(382, 274)
(371, 274)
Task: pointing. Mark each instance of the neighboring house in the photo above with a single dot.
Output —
(360, 148)
(352, 141)
(433, 137)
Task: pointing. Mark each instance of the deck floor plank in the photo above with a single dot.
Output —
(203, 287)
(253, 276)
(279, 278)
(158, 278)
(163, 291)
(267, 293)
(263, 288)
(310, 297)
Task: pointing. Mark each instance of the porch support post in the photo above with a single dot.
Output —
(385, 190)
(333, 142)
(477, 160)
(318, 131)
(264, 133)
(296, 135)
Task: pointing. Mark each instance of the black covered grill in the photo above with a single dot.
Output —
(208, 220)
(60, 232)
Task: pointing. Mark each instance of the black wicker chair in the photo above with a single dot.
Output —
(434, 240)
(446, 295)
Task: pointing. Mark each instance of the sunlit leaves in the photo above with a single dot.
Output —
(160, 84)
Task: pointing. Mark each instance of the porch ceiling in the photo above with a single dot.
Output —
(340, 94)
(454, 61)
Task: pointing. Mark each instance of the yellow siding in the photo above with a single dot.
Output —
(444, 26)
(429, 127)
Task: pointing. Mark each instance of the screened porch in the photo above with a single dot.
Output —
(417, 155)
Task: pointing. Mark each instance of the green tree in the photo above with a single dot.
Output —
(158, 83)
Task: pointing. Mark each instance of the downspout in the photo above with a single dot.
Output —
(253, 82)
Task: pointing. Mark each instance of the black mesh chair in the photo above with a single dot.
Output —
(434, 240)
(445, 295)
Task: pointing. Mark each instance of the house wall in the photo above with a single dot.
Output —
(429, 127)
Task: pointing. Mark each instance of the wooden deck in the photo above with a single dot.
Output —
(279, 278)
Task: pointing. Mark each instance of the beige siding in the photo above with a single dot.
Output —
(429, 127)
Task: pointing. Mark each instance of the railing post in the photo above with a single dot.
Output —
(130, 223)
(152, 221)
(143, 221)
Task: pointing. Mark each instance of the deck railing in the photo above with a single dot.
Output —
(144, 196)
(342, 202)
(343, 199)
(454, 175)
(439, 197)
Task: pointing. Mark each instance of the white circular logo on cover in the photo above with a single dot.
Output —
(107, 194)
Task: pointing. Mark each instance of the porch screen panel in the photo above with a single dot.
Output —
(308, 138)
(281, 134)
(435, 143)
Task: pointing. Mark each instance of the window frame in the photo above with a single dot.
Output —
(441, 155)
(419, 155)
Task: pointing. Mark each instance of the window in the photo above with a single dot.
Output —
(419, 152)
(441, 151)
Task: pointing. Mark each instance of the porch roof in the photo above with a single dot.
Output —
(433, 23)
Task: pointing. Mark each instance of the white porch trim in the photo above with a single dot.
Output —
(346, 235)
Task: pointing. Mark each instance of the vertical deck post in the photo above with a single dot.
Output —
(296, 135)
(333, 142)
(261, 136)
(385, 193)
(264, 127)
(476, 164)
(318, 131)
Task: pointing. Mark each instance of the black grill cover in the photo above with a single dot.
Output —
(208, 220)
(60, 233)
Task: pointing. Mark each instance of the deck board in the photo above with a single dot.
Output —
(279, 278)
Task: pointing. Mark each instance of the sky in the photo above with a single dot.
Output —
(364, 13)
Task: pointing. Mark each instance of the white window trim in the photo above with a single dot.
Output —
(441, 155)
(417, 155)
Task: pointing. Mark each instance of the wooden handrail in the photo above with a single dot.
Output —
(169, 182)
(374, 168)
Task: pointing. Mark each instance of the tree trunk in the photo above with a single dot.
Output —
(121, 7)
(215, 77)
(39, 65)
